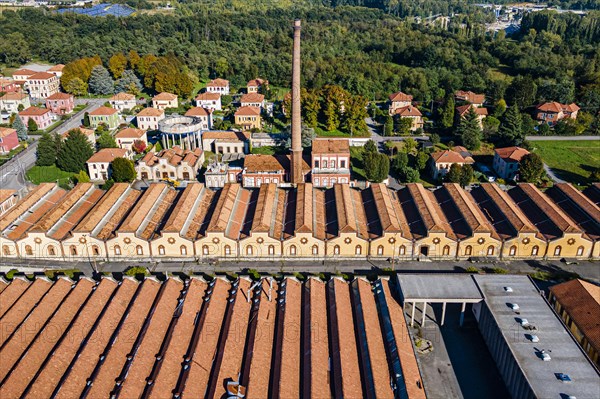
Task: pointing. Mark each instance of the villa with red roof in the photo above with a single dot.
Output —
(42, 84)
(9, 139)
(248, 118)
(126, 137)
(220, 86)
(60, 103)
(41, 116)
(399, 100)
(441, 161)
(11, 101)
(472, 98)
(463, 110)
(148, 118)
(164, 101)
(104, 115)
(506, 161)
(205, 116)
(252, 100)
(122, 101)
(552, 112)
(255, 85)
(211, 101)
(413, 113)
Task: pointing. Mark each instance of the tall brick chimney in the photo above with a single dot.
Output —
(296, 174)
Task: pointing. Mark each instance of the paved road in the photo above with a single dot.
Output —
(562, 138)
(552, 175)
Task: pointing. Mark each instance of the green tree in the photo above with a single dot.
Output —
(544, 130)
(81, 177)
(466, 175)
(14, 49)
(310, 108)
(388, 126)
(32, 125)
(106, 140)
(74, 153)
(19, 126)
(400, 161)
(129, 83)
(117, 64)
(355, 113)
(510, 131)
(421, 160)
(86, 119)
(20, 108)
(46, 151)
(454, 174)
(500, 108)
(522, 91)
(435, 138)
(469, 130)
(447, 113)
(410, 145)
(76, 86)
(531, 168)
(490, 126)
(101, 82)
(123, 170)
(403, 125)
(370, 146)
(408, 175)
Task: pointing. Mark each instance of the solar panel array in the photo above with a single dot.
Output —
(101, 10)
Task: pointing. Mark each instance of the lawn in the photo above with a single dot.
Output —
(356, 160)
(571, 160)
(41, 174)
(269, 150)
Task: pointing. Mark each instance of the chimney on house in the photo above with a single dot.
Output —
(296, 163)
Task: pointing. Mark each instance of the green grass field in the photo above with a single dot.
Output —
(571, 160)
(47, 174)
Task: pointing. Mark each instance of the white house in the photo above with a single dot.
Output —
(220, 86)
(122, 101)
(99, 168)
(148, 118)
(211, 101)
(506, 161)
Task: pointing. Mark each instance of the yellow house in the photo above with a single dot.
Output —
(565, 239)
(520, 238)
(299, 227)
(434, 238)
(387, 223)
(248, 118)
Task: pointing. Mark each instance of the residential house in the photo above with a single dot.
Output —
(399, 100)
(148, 118)
(89, 133)
(57, 70)
(413, 113)
(104, 115)
(463, 110)
(11, 101)
(8, 85)
(9, 139)
(552, 112)
(248, 118)
(41, 116)
(506, 161)
(122, 101)
(577, 302)
(330, 162)
(208, 100)
(441, 161)
(204, 116)
(8, 198)
(218, 174)
(127, 137)
(476, 100)
(253, 100)
(219, 86)
(172, 163)
(21, 75)
(261, 169)
(226, 142)
(255, 85)
(42, 85)
(99, 164)
(164, 101)
(60, 103)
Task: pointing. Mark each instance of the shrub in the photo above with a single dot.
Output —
(137, 270)
(11, 273)
(472, 269)
(254, 274)
(499, 270)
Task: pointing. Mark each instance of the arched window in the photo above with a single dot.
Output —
(490, 250)
(380, 250)
(161, 249)
(336, 250)
(183, 250)
(28, 250)
(535, 250)
(139, 250)
(402, 250)
(73, 250)
(315, 249)
(271, 250)
(249, 250)
(446, 250)
(117, 250)
(292, 250)
(513, 250)
(95, 250)
(227, 250)
(358, 250)
(51, 250)
(580, 251)
(205, 250)
(5, 250)
(468, 250)
(557, 250)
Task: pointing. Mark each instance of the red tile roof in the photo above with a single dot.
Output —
(464, 110)
(471, 97)
(107, 155)
(218, 83)
(130, 133)
(252, 98)
(164, 97)
(41, 76)
(329, 146)
(197, 111)
(60, 96)
(34, 111)
(206, 96)
(151, 112)
(400, 97)
(408, 111)
(513, 154)
(247, 111)
(102, 111)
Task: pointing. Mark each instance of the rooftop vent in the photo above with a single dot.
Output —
(514, 306)
(533, 338)
(545, 356)
(563, 377)
(508, 289)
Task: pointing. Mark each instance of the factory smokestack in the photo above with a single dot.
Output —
(297, 176)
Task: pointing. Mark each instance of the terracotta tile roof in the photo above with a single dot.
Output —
(429, 210)
(385, 208)
(164, 97)
(224, 209)
(33, 215)
(359, 214)
(60, 96)
(463, 110)
(329, 146)
(344, 207)
(199, 222)
(225, 135)
(400, 97)
(57, 68)
(107, 155)
(206, 96)
(255, 163)
(6, 131)
(238, 216)
(102, 207)
(408, 111)
(197, 111)
(154, 193)
(556, 107)
(151, 112)
(471, 213)
(34, 111)
(248, 111)
(125, 206)
(183, 208)
(513, 154)
(14, 96)
(41, 76)
(509, 210)
(86, 132)
(6, 193)
(12, 295)
(62, 207)
(579, 208)
(130, 133)
(102, 111)
(304, 208)
(581, 301)
(263, 216)
(156, 217)
(218, 83)
(25, 203)
(449, 156)
(581, 200)
(291, 354)
(320, 216)
(62, 229)
(469, 96)
(256, 82)
(252, 98)
(20, 72)
(122, 97)
(175, 156)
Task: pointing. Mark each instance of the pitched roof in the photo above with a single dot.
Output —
(207, 96)
(218, 83)
(471, 213)
(34, 111)
(151, 112)
(103, 111)
(449, 156)
(174, 156)
(581, 300)
(197, 111)
(513, 154)
(86, 132)
(225, 135)
(14, 96)
(57, 68)
(107, 155)
(464, 109)
(247, 111)
(254, 163)
(429, 210)
(400, 97)
(255, 82)
(329, 146)
(263, 217)
(252, 98)
(27, 72)
(41, 76)
(185, 205)
(6, 131)
(6, 194)
(130, 133)
(60, 96)
(408, 111)
(164, 96)
(556, 107)
(471, 97)
(122, 96)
